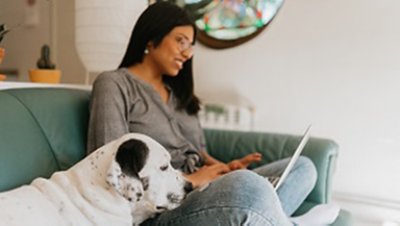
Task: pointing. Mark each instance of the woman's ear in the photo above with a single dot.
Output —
(148, 47)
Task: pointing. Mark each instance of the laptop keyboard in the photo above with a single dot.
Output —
(273, 180)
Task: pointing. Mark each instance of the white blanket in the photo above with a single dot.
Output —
(78, 196)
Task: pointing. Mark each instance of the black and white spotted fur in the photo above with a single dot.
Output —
(122, 183)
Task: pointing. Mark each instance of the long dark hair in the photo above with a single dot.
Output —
(152, 26)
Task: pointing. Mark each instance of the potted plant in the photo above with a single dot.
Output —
(46, 72)
(3, 32)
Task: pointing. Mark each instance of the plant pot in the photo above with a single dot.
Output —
(45, 75)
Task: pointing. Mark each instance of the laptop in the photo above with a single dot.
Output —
(277, 181)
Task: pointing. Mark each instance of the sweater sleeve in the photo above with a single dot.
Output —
(108, 112)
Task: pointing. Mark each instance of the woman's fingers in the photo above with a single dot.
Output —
(250, 158)
(221, 168)
(235, 165)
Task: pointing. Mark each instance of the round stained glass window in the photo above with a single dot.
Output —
(227, 23)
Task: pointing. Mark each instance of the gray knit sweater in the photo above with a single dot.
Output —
(123, 103)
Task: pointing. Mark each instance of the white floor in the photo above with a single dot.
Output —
(363, 222)
(369, 211)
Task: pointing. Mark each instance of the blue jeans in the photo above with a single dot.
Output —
(245, 197)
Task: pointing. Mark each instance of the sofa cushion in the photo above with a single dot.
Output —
(25, 152)
(42, 131)
(62, 114)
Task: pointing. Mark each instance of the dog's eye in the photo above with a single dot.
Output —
(163, 168)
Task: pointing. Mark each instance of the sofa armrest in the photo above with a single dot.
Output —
(227, 145)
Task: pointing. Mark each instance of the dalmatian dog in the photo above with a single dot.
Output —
(124, 182)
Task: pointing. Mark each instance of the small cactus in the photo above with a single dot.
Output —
(3, 31)
(44, 62)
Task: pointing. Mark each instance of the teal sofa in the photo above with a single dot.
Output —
(43, 130)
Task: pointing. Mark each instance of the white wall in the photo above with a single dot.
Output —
(23, 43)
(67, 56)
(55, 28)
(330, 63)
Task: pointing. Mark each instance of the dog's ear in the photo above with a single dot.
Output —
(123, 174)
(131, 157)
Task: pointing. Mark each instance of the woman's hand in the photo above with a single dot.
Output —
(206, 174)
(244, 162)
(208, 159)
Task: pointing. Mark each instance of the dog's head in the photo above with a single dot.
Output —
(143, 174)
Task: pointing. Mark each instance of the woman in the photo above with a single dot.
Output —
(152, 93)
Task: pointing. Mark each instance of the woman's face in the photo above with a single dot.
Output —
(174, 50)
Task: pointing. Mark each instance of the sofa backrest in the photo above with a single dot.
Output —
(42, 130)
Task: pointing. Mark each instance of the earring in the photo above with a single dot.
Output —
(146, 51)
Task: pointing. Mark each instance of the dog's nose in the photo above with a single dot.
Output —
(188, 187)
